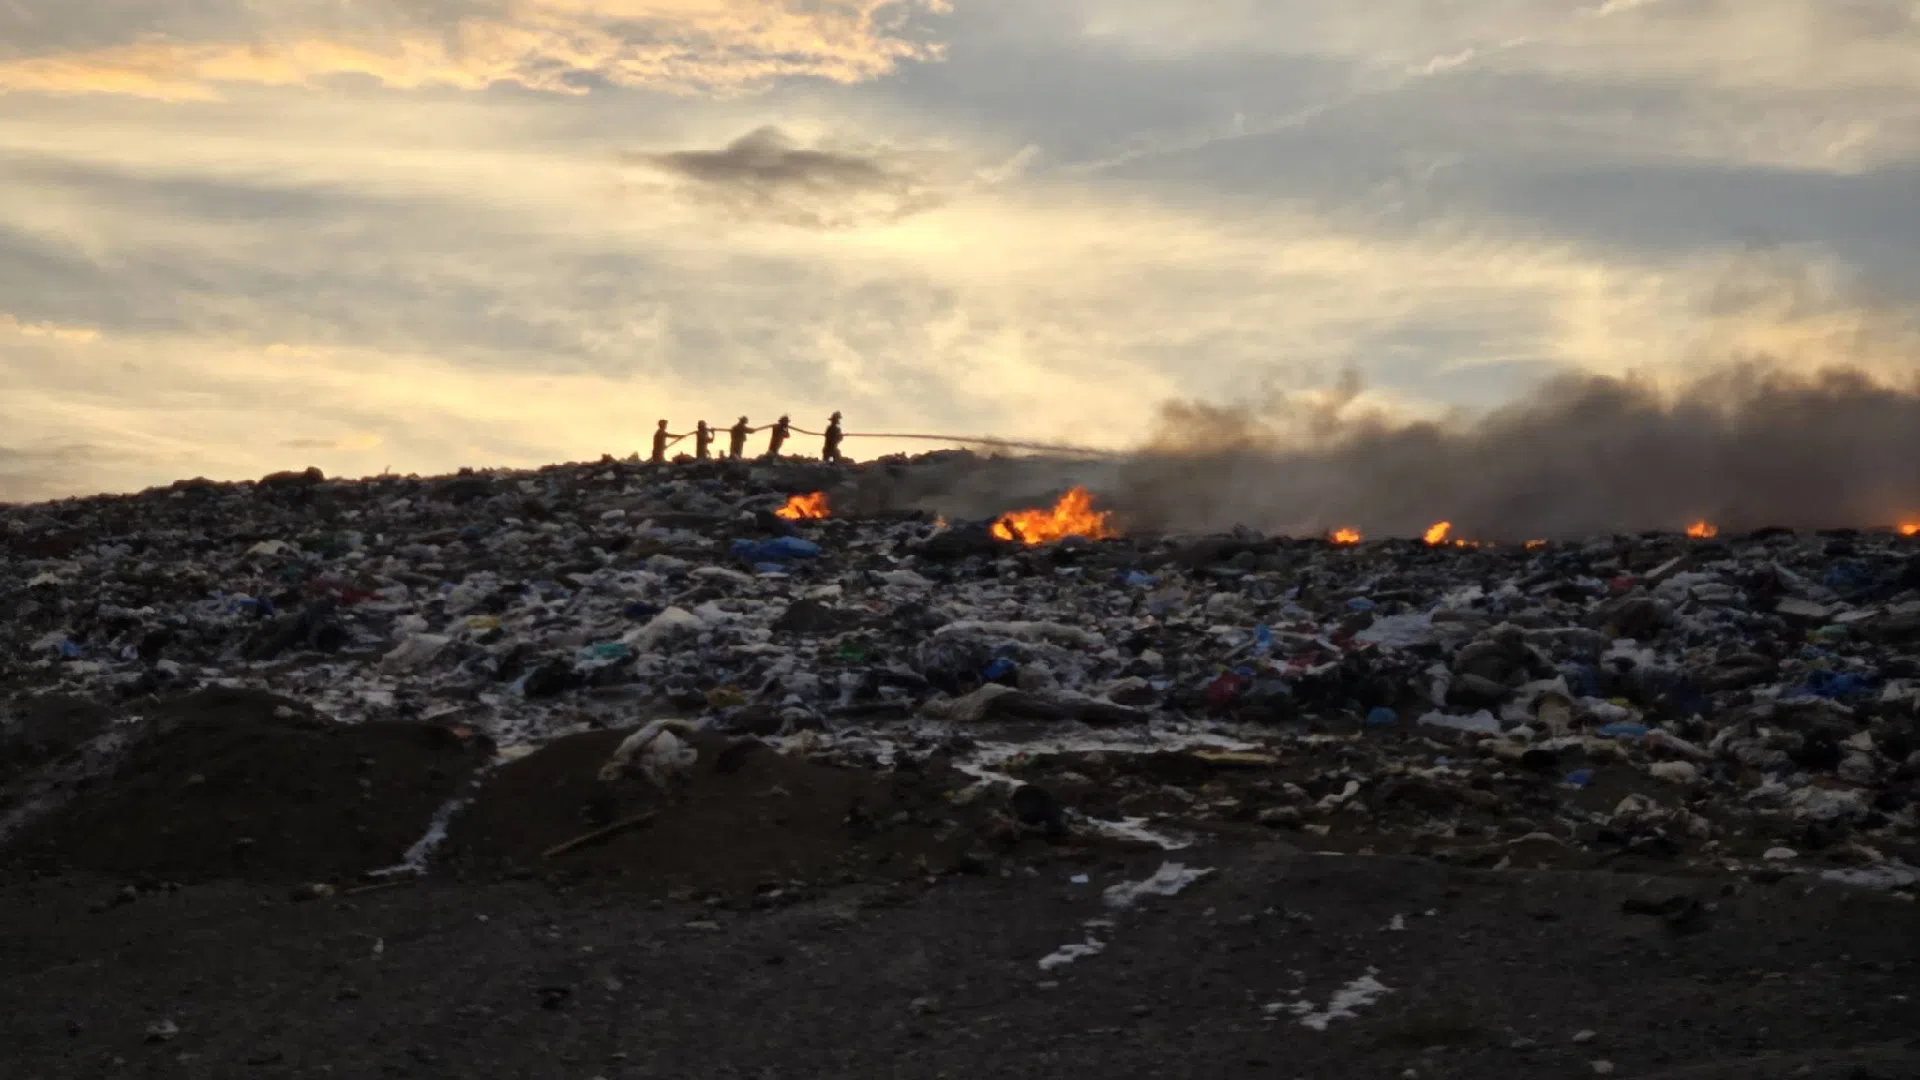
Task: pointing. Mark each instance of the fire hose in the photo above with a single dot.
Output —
(974, 440)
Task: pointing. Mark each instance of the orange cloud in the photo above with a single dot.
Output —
(686, 46)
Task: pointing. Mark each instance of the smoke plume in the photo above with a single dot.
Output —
(1801, 408)
(1743, 446)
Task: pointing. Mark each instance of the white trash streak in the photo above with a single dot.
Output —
(1171, 879)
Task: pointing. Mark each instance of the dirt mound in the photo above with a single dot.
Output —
(37, 730)
(749, 818)
(238, 784)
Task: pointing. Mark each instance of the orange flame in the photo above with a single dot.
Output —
(1535, 545)
(1910, 528)
(1437, 534)
(1700, 530)
(1345, 536)
(1073, 515)
(804, 507)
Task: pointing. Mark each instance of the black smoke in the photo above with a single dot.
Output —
(1742, 446)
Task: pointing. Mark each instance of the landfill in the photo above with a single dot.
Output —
(673, 675)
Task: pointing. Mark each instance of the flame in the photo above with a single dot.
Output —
(1700, 530)
(804, 507)
(1345, 536)
(1438, 533)
(1073, 515)
(1910, 528)
(1535, 545)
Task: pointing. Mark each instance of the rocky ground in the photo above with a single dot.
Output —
(307, 775)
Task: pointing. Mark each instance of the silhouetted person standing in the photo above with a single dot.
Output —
(738, 444)
(662, 438)
(703, 442)
(778, 439)
(831, 450)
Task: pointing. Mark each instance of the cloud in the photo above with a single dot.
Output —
(766, 174)
(558, 46)
(46, 470)
(1203, 208)
(1046, 309)
(355, 443)
(1838, 82)
(76, 334)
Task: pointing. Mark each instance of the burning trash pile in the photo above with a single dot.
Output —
(1742, 702)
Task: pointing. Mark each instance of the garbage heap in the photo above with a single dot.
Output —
(1743, 702)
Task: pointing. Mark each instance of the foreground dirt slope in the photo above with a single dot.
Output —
(1485, 975)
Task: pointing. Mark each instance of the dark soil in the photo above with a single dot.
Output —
(748, 819)
(1490, 976)
(39, 730)
(781, 917)
(236, 784)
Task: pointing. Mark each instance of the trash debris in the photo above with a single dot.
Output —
(1067, 954)
(1345, 1004)
(1171, 879)
(657, 752)
(1732, 698)
(162, 1030)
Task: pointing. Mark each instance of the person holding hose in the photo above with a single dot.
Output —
(830, 449)
(781, 431)
(662, 438)
(737, 442)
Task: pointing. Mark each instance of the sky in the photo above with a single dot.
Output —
(413, 235)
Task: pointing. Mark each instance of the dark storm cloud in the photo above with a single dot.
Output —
(766, 174)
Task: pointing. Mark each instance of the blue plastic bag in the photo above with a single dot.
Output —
(780, 549)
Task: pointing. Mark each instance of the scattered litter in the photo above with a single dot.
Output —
(1344, 1005)
(1160, 686)
(1169, 880)
(1067, 954)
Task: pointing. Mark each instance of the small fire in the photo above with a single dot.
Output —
(1437, 534)
(1910, 528)
(804, 507)
(1345, 536)
(1073, 515)
(1535, 545)
(1700, 530)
